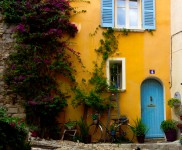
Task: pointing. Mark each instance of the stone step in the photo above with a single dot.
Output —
(155, 140)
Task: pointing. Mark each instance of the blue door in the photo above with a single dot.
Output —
(152, 107)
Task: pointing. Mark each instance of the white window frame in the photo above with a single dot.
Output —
(123, 64)
(127, 16)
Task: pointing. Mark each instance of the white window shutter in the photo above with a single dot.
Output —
(148, 9)
(107, 17)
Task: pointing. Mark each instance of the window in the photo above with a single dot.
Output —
(127, 14)
(116, 73)
(130, 14)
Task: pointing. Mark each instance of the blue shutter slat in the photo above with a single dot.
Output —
(149, 21)
(107, 9)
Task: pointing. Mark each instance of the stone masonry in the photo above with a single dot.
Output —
(8, 100)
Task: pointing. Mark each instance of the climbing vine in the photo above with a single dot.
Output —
(108, 45)
(93, 95)
(39, 56)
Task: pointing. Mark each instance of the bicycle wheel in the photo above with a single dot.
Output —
(126, 134)
(96, 132)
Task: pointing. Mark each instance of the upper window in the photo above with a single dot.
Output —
(130, 14)
(127, 14)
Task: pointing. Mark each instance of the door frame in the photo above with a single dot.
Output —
(164, 98)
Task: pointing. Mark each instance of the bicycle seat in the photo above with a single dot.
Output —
(123, 120)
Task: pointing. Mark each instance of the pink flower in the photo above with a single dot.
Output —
(21, 27)
(12, 124)
(32, 103)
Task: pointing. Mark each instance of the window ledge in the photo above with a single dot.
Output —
(122, 90)
(129, 30)
(119, 90)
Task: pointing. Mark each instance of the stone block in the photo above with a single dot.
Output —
(12, 110)
(8, 105)
(21, 110)
(19, 115)
(1, 97)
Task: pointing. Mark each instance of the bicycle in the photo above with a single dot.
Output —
(122, 130)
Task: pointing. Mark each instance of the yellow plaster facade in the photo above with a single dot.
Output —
(142, 50)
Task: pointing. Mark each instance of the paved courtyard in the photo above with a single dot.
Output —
(69, 145)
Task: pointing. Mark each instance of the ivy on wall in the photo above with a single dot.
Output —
(92, 92)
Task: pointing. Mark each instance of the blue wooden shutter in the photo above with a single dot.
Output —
(148, 9)
(107, 9)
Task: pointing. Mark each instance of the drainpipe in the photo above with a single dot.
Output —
(172, 36)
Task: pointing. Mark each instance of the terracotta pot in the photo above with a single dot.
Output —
(87, 139)
(34, 133)
(171, 135)
(141, 138)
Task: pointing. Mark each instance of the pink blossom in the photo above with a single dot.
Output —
(21, 27)
(32, 103)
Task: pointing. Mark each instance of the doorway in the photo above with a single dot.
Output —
(152, 107)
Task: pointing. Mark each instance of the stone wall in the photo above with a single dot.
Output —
(11, 101)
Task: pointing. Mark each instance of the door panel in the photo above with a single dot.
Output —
(152, 107)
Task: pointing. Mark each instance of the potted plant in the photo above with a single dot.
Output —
(179, 125)
(34, 131)
(84, 131)
(95, 118)
(169, 127)
(70, 125)
(112, 129)
(139, 129)
(178, 112)
(174, 102)
(180, 139)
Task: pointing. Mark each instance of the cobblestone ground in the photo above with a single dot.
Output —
(68, 145)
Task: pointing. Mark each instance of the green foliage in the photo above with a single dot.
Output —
(70, 124)
(108, 45)
(83, 128)
(98, 80)
(173, 101)
(180, 139)
(125, 31)
(139, 127)
(93, 96)
(18, 123)
(91, 99)
(13, 133)
(40, 57)
(168, 124)
(112, 127)
(95, 116)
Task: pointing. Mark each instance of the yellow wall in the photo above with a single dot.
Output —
(142, 50)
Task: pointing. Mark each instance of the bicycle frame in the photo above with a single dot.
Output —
(101, 129)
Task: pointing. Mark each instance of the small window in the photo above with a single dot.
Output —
(116, 73)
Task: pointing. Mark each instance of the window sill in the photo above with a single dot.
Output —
(122, 90)
(119, 91)
(129, 30)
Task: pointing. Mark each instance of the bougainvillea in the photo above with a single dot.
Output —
(42, 52)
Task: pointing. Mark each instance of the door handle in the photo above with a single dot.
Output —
(150, 98)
